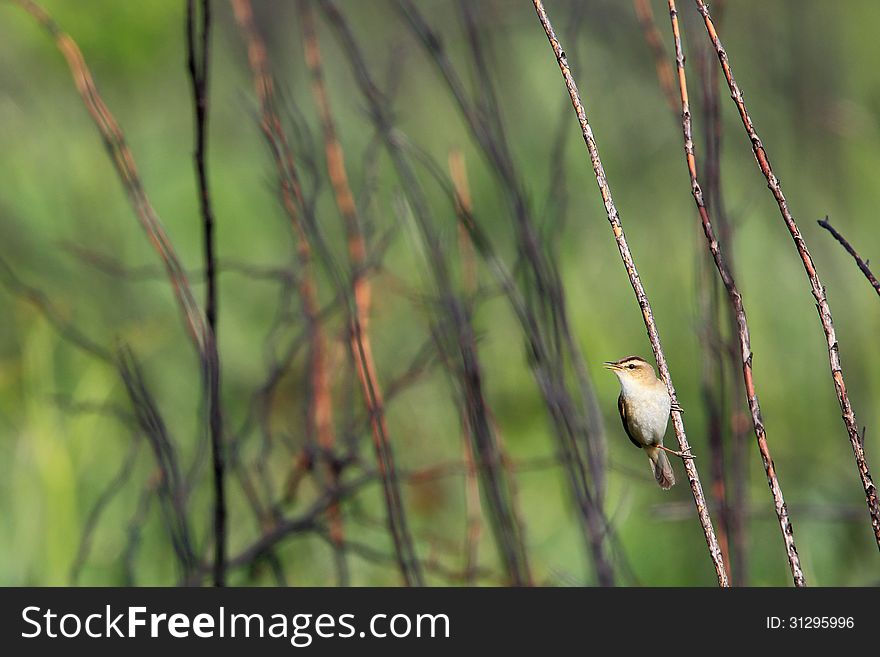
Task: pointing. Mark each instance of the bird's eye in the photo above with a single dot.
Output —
(631, 366)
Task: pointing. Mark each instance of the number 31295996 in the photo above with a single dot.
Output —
(810, 622)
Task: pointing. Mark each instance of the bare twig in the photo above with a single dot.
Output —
(145, 418)
(712, 370)
(641, 296)
(487, 457)
(114, 140)
(67, 330)
(356, 252)
(198, 49)
(816, 286)
(319, 410)
(458, 174)
(474, 522)
(725, 350)
(307, 520)
(737, 307)
(488, 453)
(863, 265)
(369, 553)
(171, 486)
(110, 266)
(320, 415)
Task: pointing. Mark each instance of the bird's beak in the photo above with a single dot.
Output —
(610, 366)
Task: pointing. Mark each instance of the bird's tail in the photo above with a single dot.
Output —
(662, 467)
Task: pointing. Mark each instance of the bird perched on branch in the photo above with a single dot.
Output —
(644, 407)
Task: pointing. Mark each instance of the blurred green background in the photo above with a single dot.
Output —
(806, 69)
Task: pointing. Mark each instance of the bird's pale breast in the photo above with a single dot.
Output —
(647, 413)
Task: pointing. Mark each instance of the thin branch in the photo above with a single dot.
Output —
(198, 39)
(356, 251)
(320, 411)
(307, 520)
(863, 265)
(110, 266)
(171, 486)
(641, 296)
(712, 370)
(320, 428)
(487, 453)
(725, 351)
(473, 512)
(737, 307)
(396, 516)
(66, 329)
(818, 290)
(123, 161)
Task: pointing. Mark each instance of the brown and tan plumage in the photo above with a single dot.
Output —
(621, 408)
(644, 408)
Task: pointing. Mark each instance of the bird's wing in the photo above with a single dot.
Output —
(622, 408)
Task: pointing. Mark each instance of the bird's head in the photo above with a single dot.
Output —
(632, 368)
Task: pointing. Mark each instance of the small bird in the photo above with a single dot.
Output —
(644, 407)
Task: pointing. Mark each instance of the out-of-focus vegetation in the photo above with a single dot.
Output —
(805, 69)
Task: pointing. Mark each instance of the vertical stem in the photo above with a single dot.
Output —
(198, 57)
(488, 453)
(738, 308)
(359, 342)
(712, 371)
(473, 512)
(356, 246)
(727, 351)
